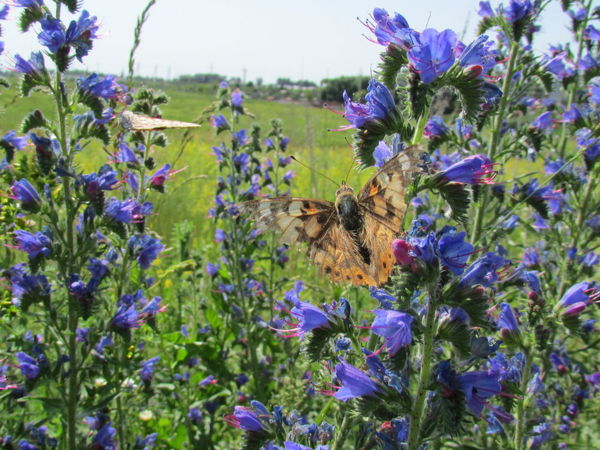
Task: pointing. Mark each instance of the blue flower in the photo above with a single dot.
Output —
(517, 9)
(435, 128)
(454, 251)
(29, 367)
(491, 96)
(126, 154)
(12, 141)
(147, 370)
(146, 249)
(483, 271)
(393, 30)
(245, 419)
(395, 327)
(52, 34)
(27, 286)
(80, 34)
(433, 55)
(510, 223)
(25, 193)
(478, 387)
(507, 322)
(485, 9)
(380, 106)
(543, 121)
(121, 211)
(104, 180)
(355, 383)
(104, 439)
(219, 122)
(126, 318)
(576, 299)
(33, 67)
(237, 98)
(34, 244)
(478, 53)
(475, 169)
(106, 87)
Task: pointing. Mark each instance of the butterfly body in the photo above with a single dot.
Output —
(350, 238)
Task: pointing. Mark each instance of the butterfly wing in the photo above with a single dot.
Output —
(383, 205)
(136, 122)
(314, 222)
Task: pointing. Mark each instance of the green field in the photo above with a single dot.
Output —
(191, 191)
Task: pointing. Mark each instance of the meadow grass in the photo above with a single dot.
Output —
(191, 191)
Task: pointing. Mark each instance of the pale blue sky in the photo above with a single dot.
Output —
(307, 39)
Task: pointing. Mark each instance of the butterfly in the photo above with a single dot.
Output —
(136, 122)
(350, 239)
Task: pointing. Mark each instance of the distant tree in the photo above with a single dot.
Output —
(332, 89)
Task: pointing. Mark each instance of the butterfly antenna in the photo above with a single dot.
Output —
(314, 170)
(350, 169)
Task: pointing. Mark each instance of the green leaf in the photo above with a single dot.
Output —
(29, 16)
(468, 87)
(72, 5)
(91, 101)
(35, 119)
(212, 317)
(457, 197)
(392, 60)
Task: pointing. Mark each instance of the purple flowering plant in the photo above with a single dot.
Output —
(485, 335)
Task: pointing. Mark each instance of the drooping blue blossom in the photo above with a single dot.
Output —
(355, 383)
(52, 35)
(510, 223)
(34, 244)
(395, 327)
(245, 419)
(454, 251)
(146, 249)
(380, 106)
(539, 223)
(148, 367)
(542, 122)
(33, 67)
(478, 53)
(485, 9)
(237, 98)
(25, 193)
(126, 318)
(29, 367)
(104, 180)
(517, 10)
(507, 322)
(219, 122)
(475, 169)
(105, 438)
(435, 128)
(577, 297)
(126, 154)
(121, 211)
(491, 96)
(81, 33)
(104, 87)
(392, 30)
(433, 55)
(483, 271)
(13, 141)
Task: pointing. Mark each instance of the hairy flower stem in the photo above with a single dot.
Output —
(69, 264)
(342, 434)
(574, 87)
(520, 415)
(576, 231)
(416, 416)
(496, 135)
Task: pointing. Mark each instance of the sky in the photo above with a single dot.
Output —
(268, 39)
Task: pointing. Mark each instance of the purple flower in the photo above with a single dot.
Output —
(104, 180)
(491, 96)
(483, 271)
(517, 9)
(121, 211)
(34, 67)
(237, 98)
(4, 12)
(478, 387)
(507, 322)
(147, 370)
(27, 287)
(433, 55)
(13, 142)
(395, 327)
(478, 53)
(476, 169)
(380, 106)
(557, 67)
(52, 34)
(543, 121)
(33, 244)
(593, 378)
(394, 30)
(29, 367)
(126, 154)
(126, 318)
(435, 128)
(104, 439)
(80, 34)
(244, 419)
(510, 223)
(309, 317)
(485, 9)
(146, 249)
(106, 88)
(157, 180)
(539, 223)
(575, 300)
(219, 122)
(572, 115)
(454, 251)
(25, 193)
(25, 3)
(355, 383)
(194, 415)
(584, 139)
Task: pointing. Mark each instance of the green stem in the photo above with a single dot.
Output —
(426, 355)
(581, 216)
(496, 135)
(574, 87)
(342, 434)
(520, 415)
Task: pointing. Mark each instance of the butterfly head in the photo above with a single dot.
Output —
(344, 189)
